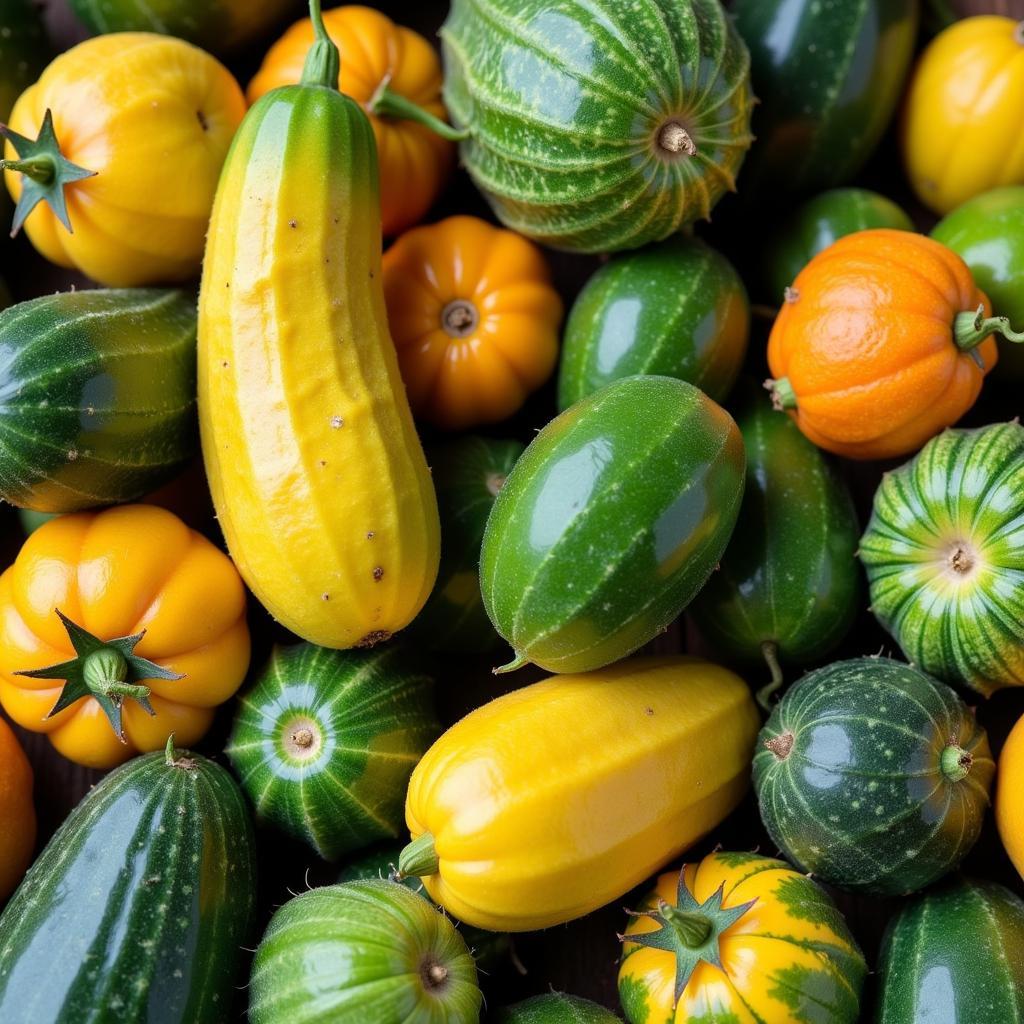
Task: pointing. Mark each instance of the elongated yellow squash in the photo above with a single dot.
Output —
(555, 799)
(317, 474)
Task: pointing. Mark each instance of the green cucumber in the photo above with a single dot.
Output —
(139, 906)
(555, 1008)
(610, 523)
(99, 398)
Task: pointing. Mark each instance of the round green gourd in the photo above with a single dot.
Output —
(98, 403)
(610, 522)
(324, 743)
(788, 584)
(595, 126)
(367, 952)
(955, 954)
(828, 75)
(555, 1008)
(468, 473)
(873, 776)
(139, 906)
(944, 553)
(676, 309)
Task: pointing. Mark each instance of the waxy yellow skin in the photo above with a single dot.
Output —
(557, 798)
(317, 475)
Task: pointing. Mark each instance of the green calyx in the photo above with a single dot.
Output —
(955, 762)
(323, 62)
(690, 931)
(45, 173)
(385, 103)
(106, 670)
(783, 395)
(418, 858)
(971, 329)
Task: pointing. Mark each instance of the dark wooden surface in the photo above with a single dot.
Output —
(579, 957)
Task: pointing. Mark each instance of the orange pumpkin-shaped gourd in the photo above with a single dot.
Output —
(17, 815)
(474, 318)
(883, 340)
(382, 64)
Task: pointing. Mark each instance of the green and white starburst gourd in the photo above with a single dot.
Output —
(598, 125)
(944, 553)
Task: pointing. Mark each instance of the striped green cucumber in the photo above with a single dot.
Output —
(139, 905)
(610, 523)
(98, 399)
(598, 126)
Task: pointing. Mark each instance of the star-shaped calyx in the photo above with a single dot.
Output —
(44, 172)
(690, 931)
(106, 670)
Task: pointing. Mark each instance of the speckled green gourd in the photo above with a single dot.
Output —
(324, 743)
(944, 552)
(788, 584)
(139, 906)
(676, 309)
(366, 952)
(955, 954)
(873, 776)
(610, 522)
(555, 1008)
(98, 397)
(828, 75)
(602, 125)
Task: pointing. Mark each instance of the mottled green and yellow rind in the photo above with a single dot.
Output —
(964, 492)
(565, 105)
(860, 799)
(372, 717)
(139, 906)
(555, 1008)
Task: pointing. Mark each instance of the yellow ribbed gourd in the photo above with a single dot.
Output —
(555, 799)
(317, 474)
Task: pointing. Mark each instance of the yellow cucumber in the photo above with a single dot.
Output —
(317, 473)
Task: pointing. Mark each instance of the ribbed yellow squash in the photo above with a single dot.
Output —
(317, 474)
(555, 799)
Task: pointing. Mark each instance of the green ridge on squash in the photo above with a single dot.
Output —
(554, 1008)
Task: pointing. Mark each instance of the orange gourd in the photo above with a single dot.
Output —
(883, 340)
(474, 318)
(385, 67)
(17, 815)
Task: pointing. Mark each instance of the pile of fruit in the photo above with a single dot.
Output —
(320, 428)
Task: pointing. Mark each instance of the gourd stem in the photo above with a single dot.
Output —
(956, 762)
(105, 672)
(693, 930)
(169, 757)
(770, 652)
(418, 858)
(514, 665)
(783, 395)
(323, 62)
(971, 329)
(386, 103)
(42, 168)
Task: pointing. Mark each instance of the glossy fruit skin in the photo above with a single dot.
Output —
(987, 232)
(356, 954)
(24, 50)
(414, 161)
(966, 87)
(468, 474)
(139, 906)
(819, 222)
(865, 340)
(789, 576)
(675, 309)
(955, 952)
(369, 717)
(99, 402)
(142, 218)
(828, 77)
(475, 320)
(317, 475)
(117, 572)
(17, 814)
(1009, 807)
(677, 730)
(853, 786)
(792, 950)
(944, 557)
(554, 1008)
(567, 108)
(638, 487)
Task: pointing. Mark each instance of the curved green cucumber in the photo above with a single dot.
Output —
(610, 523)
(555, 1008)
(139, 906)
(873, 776)
(676, 309)
(324, 743)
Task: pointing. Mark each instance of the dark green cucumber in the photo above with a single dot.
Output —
(676, 309)
(139, 906)
(468, 474)
(955, 954)
(873, 776)
(610, 523)
(555, 1008)
(98, 402)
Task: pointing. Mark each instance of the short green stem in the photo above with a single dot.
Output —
(770, 652)
(323, 62)
(693, 930)
(418, 858)
(956, 762)
(169, 758)
(385, 103)
(783, 395)
(970, 329)
(42, 168)
(513, 666)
